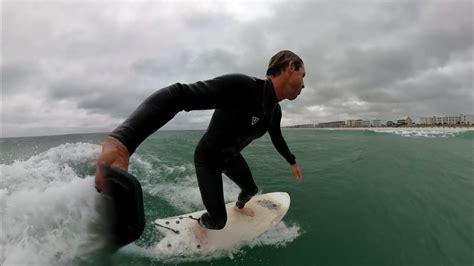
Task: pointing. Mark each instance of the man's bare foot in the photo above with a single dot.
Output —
(245, 211)
(200, 234)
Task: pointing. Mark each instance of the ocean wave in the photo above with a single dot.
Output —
(48, 208)
(50, 215)
(424, 132)
(56, 165)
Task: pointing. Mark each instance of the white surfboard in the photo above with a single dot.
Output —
(179, 237)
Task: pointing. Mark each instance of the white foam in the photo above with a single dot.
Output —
(422, 132)
(279, 236)
(47, 208)
(47, 168)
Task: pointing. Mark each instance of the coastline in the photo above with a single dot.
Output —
(362, 128)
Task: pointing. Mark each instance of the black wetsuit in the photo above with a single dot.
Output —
(245, 109)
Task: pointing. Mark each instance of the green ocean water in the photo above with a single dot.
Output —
(368, 197)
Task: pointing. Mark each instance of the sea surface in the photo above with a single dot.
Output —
(368, 197)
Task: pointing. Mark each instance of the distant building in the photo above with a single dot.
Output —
(376, 123)
(405, 122)
(448, 120)
(332, 124)
(401, 122)
(467, 119)
(354, 123)
(390, 124)
(359, 123)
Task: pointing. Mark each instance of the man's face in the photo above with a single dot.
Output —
(295, 82)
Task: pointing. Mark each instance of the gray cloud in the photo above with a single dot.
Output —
(74, 66)
(13, 76)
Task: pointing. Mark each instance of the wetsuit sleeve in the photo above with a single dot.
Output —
(165, 103)
(277, 138)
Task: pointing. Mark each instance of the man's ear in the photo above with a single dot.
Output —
(291, 66)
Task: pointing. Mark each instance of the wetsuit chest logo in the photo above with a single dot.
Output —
(254, 120)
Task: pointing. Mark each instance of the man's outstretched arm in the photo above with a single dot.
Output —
(280, 143)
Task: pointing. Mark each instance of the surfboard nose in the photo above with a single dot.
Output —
(282, 197)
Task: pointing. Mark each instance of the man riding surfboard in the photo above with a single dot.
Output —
(245, 109)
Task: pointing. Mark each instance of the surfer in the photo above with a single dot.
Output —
(245, 109)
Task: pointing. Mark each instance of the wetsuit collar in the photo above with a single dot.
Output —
(270, 99)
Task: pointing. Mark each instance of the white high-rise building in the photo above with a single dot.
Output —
(448, 120)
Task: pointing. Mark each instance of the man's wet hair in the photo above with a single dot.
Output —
(280, 61)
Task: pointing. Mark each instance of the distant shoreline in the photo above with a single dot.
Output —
(385, 128)
(401, 127)
(287, 127)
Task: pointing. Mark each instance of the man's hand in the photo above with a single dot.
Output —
(114, 153)
(296, 172)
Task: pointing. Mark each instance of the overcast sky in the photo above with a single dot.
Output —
(84, 66)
